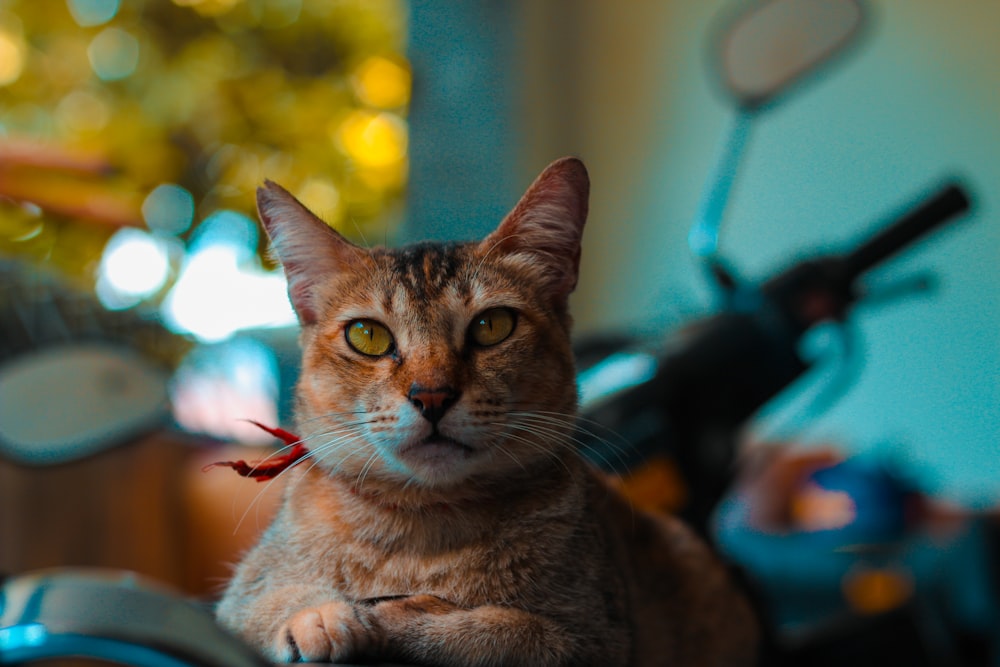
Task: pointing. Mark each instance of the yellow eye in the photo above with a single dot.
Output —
(370, 338)
(492, 327)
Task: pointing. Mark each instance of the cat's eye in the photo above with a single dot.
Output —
(492, 326)
(370, 338)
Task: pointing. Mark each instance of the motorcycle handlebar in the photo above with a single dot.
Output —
(949, 201)
(824, 287)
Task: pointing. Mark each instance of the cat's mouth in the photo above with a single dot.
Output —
(435, 443)
(434, 451)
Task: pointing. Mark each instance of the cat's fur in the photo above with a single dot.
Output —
(479, 537)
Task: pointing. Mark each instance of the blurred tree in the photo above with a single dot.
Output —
(156, 113)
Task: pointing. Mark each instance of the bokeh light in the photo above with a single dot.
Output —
(168, 208)
(382, 82)
(82, 111)
(12, 51)
(218, 388)
(89, 13)
(135, 265)
(217, 295)
(230, 229)
(208, 7)
(373, 139)
(113, 54)
(323, 198)
(222, 287)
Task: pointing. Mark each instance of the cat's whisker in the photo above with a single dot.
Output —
(551, 435)
(558, 439)
(536, 446)
(254, 503)
(250, 506)
(304, 440)
(336, 427)
(267, 485)
(576, 419)
(312, 454)
(359, 484)
(620, 452)
(361, 233)
(546, 440)
(346, 429)
(609, 459)
(620, 444)
(336, 446)
(332, 416)
(496, 245)
(509, 454)
(361, 443)
(565, 429)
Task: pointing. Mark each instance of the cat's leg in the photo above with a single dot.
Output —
(295, 623)
(427, 629)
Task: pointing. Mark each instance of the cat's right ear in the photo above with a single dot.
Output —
(547, 224)
(309, 249)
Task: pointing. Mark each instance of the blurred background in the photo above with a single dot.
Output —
(133, 134)
(914, 103)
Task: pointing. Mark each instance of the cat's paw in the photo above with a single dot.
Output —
(326, 633)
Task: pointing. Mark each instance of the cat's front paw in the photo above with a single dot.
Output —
(326, 633)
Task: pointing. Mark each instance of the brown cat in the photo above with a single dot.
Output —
(446, 518)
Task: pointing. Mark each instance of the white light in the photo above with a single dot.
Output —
(134, 265)
(215, 297)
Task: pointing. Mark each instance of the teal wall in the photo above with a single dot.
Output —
(461, 117)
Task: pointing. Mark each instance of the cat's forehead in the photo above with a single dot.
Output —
(428, 282)
(425, 269)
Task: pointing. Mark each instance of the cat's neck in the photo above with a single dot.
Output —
(546, 477)
(436, 518)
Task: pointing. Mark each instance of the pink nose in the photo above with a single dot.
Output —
(432, 403)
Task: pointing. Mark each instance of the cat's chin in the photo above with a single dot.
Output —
(436, 459)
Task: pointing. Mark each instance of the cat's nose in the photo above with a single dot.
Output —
(432, 403)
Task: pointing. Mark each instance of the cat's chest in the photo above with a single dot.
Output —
(469, 554)
(471, 574)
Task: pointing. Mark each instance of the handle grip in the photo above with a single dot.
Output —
(948, 202)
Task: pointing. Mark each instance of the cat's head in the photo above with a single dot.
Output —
(436, 364)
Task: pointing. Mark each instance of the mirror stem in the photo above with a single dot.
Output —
(704, 236)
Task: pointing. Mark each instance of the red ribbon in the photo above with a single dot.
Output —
(270, 467)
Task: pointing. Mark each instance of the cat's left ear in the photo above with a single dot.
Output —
(547, 224)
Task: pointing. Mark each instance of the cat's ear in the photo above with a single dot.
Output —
(309, 249)
(547, 224)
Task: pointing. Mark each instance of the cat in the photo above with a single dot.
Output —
(446, 517)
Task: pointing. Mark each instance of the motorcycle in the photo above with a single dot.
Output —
(838, 570)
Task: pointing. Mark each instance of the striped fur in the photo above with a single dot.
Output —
(474, 534)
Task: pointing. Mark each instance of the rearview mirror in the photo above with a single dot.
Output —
(772, 45)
